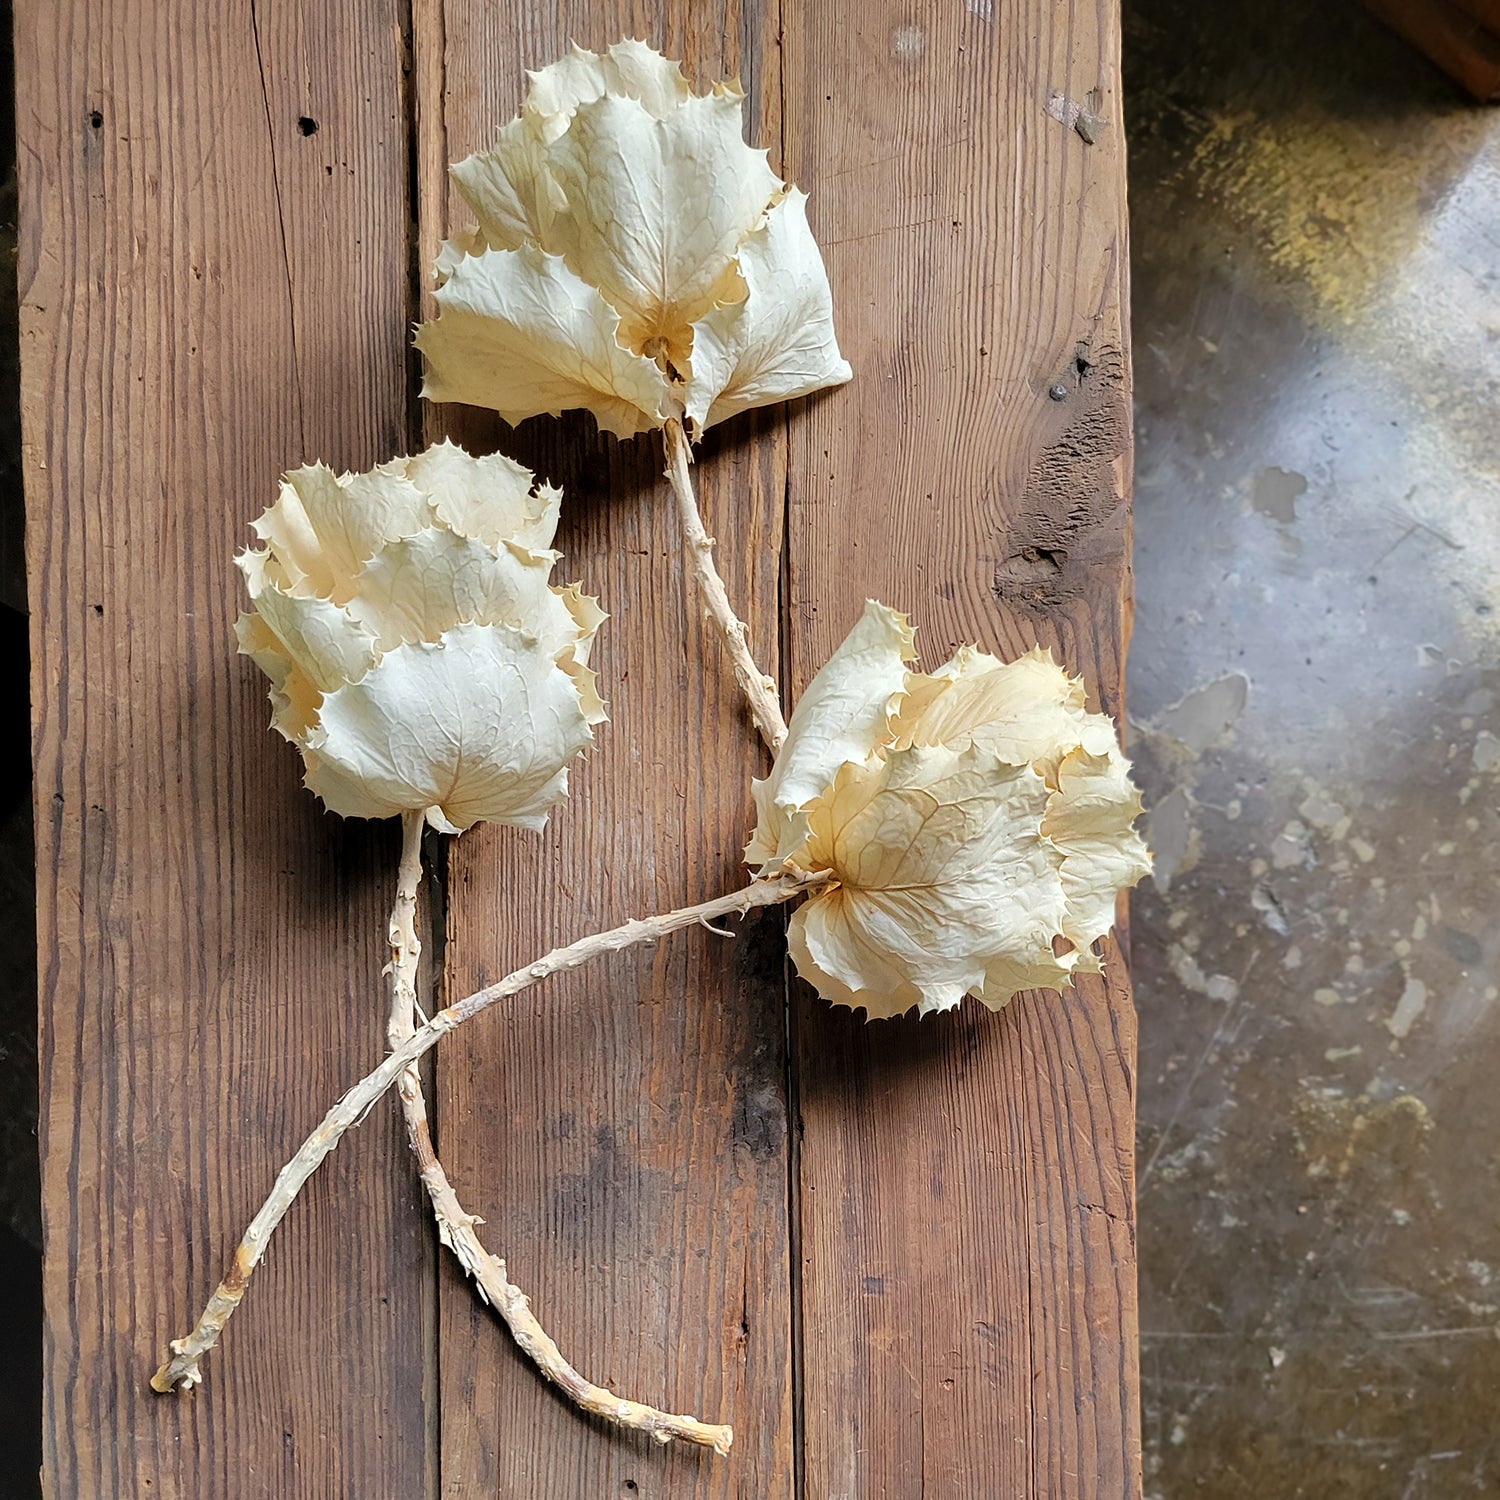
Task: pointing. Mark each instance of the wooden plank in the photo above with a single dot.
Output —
(623, 1132)
(211, 292)
(966, 1203)
(1461, 36)
(194, 259)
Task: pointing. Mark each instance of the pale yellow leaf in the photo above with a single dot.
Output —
(943, 874)
(491, 499)
(520, 333)
(776, 343)
(976, 823)
(480, 724)
(1028, 711)
(842, 715)
(415, 644)
(1089, 819)
(656, 210)
(639, 223)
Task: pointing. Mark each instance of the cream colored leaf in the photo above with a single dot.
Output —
(777, 343)
(510, 186)
(587, 618)
(976, 821)
(650, 200)
(415, 589)
(832, 949)
(1089, 819)
(1027, 712)
(630, 69)
(1008, 975)
(451, 252)
(943, 875)
(324, 526)
(294, 556)
(480, 725)
(656, 210)
(324, 640)
(294, 695)
(519, 333)
(842, 716)
(491, 499)
(510, 190)
(450, 665)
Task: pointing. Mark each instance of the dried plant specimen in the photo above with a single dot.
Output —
(925, 807)
(425, 666)
(634, 257)
(419, 656)
(976, 823)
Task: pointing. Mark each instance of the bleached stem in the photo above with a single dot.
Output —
(456, 1228)
(183, 1367)
(759, 690)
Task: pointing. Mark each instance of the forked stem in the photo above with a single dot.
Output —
(759, 690)
(186, 1353)
(456, 1228)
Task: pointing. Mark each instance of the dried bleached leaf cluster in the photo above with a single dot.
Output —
(977, 823)
(419, 655)
(960, 832)
(632, 256)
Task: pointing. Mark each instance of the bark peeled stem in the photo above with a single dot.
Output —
(182, 1369)
(759, 689)
(456, 1228)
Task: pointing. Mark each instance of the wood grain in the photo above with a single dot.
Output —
(1461, 36)
(925, 1288)
(211, 292)
(623, 1133)
(966, 1208)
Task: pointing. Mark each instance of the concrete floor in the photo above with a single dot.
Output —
(1315, 701)
(1315, 690)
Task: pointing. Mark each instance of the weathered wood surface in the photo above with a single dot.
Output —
(967, 1203)
(208, 296)
(924, 1286)
(623, 1132)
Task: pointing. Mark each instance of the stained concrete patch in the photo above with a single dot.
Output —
(1205, 716)
(1409, 1007)
(1275, 494)
(1292, 848)
(1171, 836)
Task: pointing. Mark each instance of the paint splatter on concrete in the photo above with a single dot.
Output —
(1206, 715)
(1409, 1007)
(1275, 493)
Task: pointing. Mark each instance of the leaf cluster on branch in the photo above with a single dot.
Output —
(959, 832)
